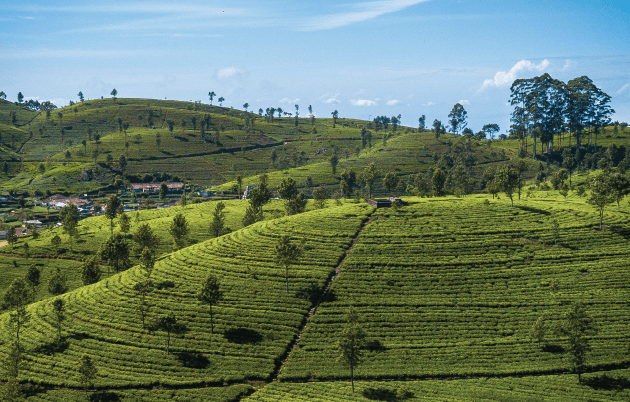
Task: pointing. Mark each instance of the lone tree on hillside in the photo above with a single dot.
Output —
(320, 196)
(115, 251)
(90, 272)
(507, 181)
(221, 99)
(350, 343)
(16, 299)
(112, 209)
(145, 238)
(80, 95)
(59, 311)
(218, 227)
(287, 254)
(147, 262)
(69, 215)
(539, 330)
(601, 195)
(258, 197)
(577, 327)
(368, 176)
(619, 187)
(87, 372)
(179, 230)
(113, 94)
(334, 161)
(390, 181)
(168, 323)
(57, 284)
(491, 130)
(124, 222)
(33, 278)
(210, 294)
(211, 95)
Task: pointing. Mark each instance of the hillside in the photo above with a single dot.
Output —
(208, 145)
(446, 288)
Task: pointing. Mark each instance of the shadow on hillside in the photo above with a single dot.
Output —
(181, 138)
(312, 293)
(242, 335)
(104, 396)
(166, 152)
(533, 210)
(193, 360)
(551, 348)
(51, 348)
(604, 381)
(380, 394)
(375, 346)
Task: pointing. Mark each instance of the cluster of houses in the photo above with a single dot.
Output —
(175, 187)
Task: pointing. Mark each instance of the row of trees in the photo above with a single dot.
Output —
(545, 108)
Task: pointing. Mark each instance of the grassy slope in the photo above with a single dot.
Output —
(253, 325)
(453, 287)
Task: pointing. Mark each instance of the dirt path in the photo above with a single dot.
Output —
(294, 345)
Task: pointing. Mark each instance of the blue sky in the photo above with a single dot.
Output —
(362, 58)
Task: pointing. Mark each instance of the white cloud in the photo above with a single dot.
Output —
(393, 102)
(332, 100)
(287, 100)
(362, 102)
(230, 72)
(428, 104)
(623, 89)
(502, 78)
(569, 64)
(363, 11)
(464, 102)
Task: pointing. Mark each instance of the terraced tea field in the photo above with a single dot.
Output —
(452, 288)
(253, 325)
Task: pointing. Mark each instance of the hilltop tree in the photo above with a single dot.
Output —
(113, 94)
(112, 209)
(577, 327)
(80, 95)
(421, 123)
(210, 293)
(390, 181)
(145, 238)
(245, 106)
(221, 99)
(320, 196)
(491, 130)
(601, 195)
(286, 254)
(211, 95)
(457, 118)
(217, 226)
(179, 230)
(90, 272)
(20, 97)
(69, 215)
(33, 278)
(57, 284)
(3, 95)
(335, 115)
(59, 312)
(87, 372)
(350, 343)
(115, 251)
(16, 299)
(438, 128)
(507, 180)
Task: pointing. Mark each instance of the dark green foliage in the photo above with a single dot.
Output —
(179, 230)
(115, 252)
(210, 293)
(57, 284)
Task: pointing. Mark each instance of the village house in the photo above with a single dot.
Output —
(155, 187)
